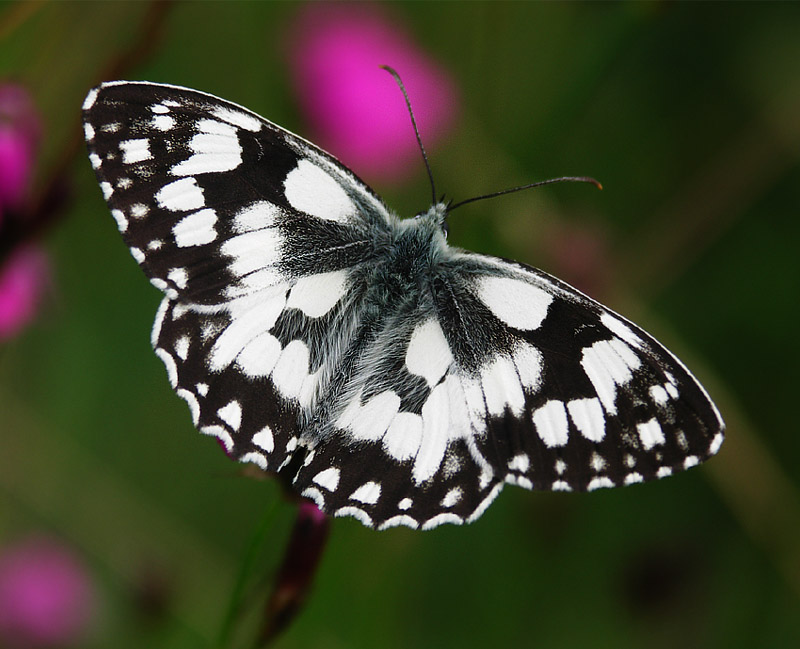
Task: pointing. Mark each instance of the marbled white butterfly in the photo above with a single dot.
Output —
(382, 373)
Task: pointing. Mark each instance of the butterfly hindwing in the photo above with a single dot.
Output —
(520, 379)
(382, 373)
(611, 406)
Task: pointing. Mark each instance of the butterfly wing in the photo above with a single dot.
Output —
(203, 189)
(254, 235)
(504, 374)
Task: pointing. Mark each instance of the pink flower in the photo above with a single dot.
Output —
(23, 270)
(23, 279)
(45, 595)
(355, 107)
(19, 136)
(16, 160)
(308, 510)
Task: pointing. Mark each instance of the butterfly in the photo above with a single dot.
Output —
(379, 371)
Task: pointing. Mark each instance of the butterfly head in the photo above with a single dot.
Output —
(435, 217)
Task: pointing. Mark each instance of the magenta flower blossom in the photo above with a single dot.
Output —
(19, 136)
(23, 279)
(23, 270)
(45, 596)
(354, 107)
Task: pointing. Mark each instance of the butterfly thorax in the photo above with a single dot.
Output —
(418, 246)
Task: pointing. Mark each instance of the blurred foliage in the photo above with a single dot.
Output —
(687, 113)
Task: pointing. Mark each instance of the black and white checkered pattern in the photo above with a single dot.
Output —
(382, 373)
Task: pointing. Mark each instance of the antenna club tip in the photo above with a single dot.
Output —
(591, 181)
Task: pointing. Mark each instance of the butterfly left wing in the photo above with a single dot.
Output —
(255, 237)
(504, 374)
(213, 200)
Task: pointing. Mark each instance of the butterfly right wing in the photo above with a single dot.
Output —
(503, 374)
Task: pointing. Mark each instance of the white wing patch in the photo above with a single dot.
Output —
(182, 347)
(428, 354)
(370, 421)
(250, 318)
(311, 190)
(367, 493)
(179, 277)
(608, 363)
(237, 118)
(315, 295)
(231, 414)
(253, 251)
(181, 195)
(264, 439)
(133, 151)
(620, 329)
(163, 123)
(256, 216)
(138, 210)
(291, 374)
(119, 217)
(215, 149)
(588, 417)
(452, 497)
(404, 436)
(258, 356)
(551, 424)
(659, 394)
(650, 434)
(501, 387)
(329, 478)
(529, 363)
(515, 302)
(435, 419)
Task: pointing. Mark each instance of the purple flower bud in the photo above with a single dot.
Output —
(24, 271)
(23, 278)
(19, 136)
(308, 510)
(355, 107)
(45, 595)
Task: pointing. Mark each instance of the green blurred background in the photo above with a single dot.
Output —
(689, 114)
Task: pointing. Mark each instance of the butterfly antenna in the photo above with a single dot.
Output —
(399, 81)
(551, 181)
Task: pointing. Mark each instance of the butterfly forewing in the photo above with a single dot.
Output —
(256, 238)
(195, 182)
(384, 374)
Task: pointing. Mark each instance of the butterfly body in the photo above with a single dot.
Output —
(381, 372)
